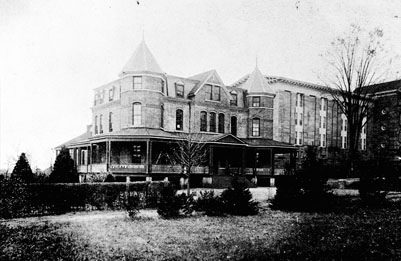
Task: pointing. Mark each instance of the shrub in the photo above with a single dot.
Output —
(170, 204)
(64, 168)
(306, 190)
(22, 170)
(237, 200)
(13, 198)
(132, 204)
(209, 203)
(372, 186)
(17, 199)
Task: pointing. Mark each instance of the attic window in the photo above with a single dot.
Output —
(179, 90)
(234, 99)
(212, 92)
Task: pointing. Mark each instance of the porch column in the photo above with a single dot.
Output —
(90, 158)
(272, 161)
(149, 156)
(243, 160)
(211, 165)
(87, 159)
(108, 149)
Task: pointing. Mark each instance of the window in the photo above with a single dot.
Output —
(255, 101)
(300, 118)
(136, 114)
(102, 96)
(137, 82)
(136, 154)
(111, 93)
(212, 123)
(203, 119)
(212, 92)
(96, 130)
(234, 125)
(323, 104)
(298, 138)
(162, 86)
(178, 119)
(344, 142)
(162, 116)
(216, 93)
(299, 100)
(101, 124)
(110, 121)
(179, 90)
(221, 123)
(255, 127)
(208, 90)
(323, 140)
(234, 99)
(323, 119)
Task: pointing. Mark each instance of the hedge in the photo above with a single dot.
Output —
(43, 199)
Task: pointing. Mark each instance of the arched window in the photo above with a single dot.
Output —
(256, 127)
(179, 119)
(221, 123)
(234, 125)
(203, 121)
(162, 116)
(136, 114)
(212, 123)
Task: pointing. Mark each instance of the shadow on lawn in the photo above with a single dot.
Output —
(40, 242)
(356, 232)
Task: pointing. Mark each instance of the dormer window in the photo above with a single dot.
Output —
(137, 82)
(256, 101)
(212, 92)
(179, 90)
(234, 99)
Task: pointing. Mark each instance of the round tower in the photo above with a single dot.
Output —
(142, 91)
(260, 98)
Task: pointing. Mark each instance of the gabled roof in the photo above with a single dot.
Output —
(142, 60)
(257, 83)
(209, 76)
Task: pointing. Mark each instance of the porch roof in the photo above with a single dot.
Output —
(79, 140)
(269, 143)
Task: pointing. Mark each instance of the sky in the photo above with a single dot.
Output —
(54, 53)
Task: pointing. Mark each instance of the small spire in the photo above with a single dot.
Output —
(256, 61)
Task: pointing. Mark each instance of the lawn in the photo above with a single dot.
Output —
(355, 233)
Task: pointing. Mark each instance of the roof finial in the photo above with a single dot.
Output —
(143, 33)
(256, 61)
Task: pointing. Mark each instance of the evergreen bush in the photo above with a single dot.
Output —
(237, 200)
(22, 170)
(170, 204)
(209, 203)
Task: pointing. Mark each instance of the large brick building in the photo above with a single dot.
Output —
(252, 127)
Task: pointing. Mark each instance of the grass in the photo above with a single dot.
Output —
(356, 233)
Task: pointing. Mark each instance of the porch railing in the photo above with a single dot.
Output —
(176, 169)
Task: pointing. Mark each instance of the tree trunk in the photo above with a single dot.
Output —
(188, 186)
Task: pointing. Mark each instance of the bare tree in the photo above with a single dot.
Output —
(189, 153)
(355, 61)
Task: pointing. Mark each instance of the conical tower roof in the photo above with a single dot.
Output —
(142, 60)
(257, 83)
